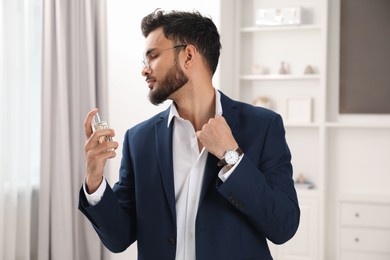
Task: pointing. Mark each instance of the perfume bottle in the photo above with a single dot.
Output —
(98, 124)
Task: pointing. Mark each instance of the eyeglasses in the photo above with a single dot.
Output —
(151, 54)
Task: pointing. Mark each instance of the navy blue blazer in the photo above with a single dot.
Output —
(257, 201)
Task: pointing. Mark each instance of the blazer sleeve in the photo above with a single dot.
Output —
(262, 188)
(114, 217)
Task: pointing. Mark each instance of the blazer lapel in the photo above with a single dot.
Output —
(163, 135)
(230, 113)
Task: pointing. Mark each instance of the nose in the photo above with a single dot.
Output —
(145, 71)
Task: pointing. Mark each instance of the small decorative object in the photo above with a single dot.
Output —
(302, 183)
(309, 70)
(262, 101)
(259, 70)
(283, 68)
(299, 109)
(278, 16)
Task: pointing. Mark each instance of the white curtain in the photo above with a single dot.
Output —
(20, 82)
(74, 82)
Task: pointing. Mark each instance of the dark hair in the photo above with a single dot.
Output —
(187, 28)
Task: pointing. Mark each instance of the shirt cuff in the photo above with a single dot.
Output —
(225, 172)
(95, 197)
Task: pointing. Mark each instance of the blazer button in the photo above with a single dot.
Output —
(232, 198)
(172, 241)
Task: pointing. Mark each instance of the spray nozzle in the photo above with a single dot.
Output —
(97, 118)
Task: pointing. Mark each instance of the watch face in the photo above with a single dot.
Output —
(231, 157)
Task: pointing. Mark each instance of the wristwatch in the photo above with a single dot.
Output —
(231, 157)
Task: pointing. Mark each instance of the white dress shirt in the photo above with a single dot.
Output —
(188, 171)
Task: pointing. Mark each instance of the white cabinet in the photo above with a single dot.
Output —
(364, 229)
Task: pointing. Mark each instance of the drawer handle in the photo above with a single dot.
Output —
(357, 215)
(356, 239)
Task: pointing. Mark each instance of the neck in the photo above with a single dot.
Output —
(197, 105)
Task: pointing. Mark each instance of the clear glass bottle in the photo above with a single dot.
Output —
(98, 124)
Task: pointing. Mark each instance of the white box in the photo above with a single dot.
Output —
(279, 16)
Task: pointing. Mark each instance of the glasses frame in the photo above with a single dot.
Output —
(146, 59)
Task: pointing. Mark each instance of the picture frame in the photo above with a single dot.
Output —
(299, 109)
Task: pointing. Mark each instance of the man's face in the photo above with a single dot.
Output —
(162, 69)
(173, 80)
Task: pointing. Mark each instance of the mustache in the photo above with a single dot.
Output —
(148, 78)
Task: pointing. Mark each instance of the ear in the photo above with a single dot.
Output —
(190, 52)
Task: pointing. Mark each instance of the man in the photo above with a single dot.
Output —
(209, 178)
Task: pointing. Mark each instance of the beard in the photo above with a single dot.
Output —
(174, 80)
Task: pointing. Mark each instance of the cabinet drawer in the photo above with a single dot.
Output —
(365, 239)
(361, 214)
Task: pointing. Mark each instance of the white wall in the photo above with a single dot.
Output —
(127, 89)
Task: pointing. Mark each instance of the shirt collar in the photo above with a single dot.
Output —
(218, 108)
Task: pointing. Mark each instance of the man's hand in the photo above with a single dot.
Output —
(217, 137)
(95, 153)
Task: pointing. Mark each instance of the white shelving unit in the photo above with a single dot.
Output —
(297, 46)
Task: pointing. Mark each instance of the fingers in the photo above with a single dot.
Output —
(102, 152)
(97, 156)
(216, 136)
(88, 121)
(94, 142)
(217, 122)
(220, 118)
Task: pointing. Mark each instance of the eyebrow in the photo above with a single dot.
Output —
(147, 53)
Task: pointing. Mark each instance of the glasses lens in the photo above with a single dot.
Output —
(145, 63)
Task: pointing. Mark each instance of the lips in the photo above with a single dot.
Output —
(150, 82)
